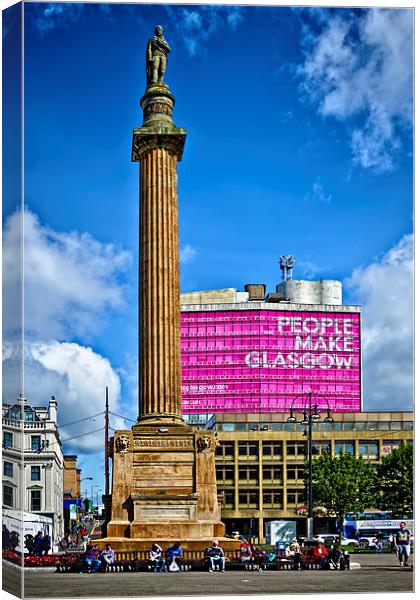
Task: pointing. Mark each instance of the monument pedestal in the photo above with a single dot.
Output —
(163, 485)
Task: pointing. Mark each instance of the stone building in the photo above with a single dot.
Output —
(71, 485)
(33, 461)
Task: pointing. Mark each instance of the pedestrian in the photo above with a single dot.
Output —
(173, 557)
(377, 544)
(156, 559)
(5, 538)
(402, 539)
(215, 557)
(29, 543)
(107, 557)
(259, 557)
(45, 544)
(38, 544)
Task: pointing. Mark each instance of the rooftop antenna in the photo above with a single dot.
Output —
(286, 263)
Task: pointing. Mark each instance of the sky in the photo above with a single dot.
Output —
(300, 141)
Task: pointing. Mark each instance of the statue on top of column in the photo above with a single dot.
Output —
(156, 57)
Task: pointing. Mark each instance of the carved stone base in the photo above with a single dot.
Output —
(164, 484)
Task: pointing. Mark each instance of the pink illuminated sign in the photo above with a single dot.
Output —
(260, 360)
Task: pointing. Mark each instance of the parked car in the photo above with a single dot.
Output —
(329, 539)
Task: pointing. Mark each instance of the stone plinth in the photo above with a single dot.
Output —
(164, 484)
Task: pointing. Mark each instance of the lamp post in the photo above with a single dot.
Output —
(310, 413)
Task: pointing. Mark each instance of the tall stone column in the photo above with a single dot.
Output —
(158, 146)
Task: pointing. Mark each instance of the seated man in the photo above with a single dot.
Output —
(91, 562)
(107, 557)
(336, 558)
(173, 557)
(156, 559)
(215, 556)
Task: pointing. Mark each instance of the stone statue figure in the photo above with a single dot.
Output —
(156, 57)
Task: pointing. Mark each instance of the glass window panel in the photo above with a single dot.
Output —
(407, 425)
(8, 469)
(35, 500)
(395, 426)
(8, 495)
(383, 425)
(35, 442)
(7, 439)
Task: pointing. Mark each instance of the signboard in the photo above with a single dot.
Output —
(260, 360)
(276, 531)
(73, 511)
(31, 524)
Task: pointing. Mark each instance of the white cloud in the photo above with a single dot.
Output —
(384, 288)
(361, 68)
(76, 375)
(187, 254)
(47, 16)
(318, 193)
(71, 279)
(195, 25)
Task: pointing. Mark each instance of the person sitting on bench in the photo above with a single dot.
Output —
(215, 556)
(173, 558)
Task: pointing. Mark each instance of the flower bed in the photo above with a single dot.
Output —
(50, 560)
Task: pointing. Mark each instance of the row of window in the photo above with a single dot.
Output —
(367, 449)
(8, 440)
(273, 474)
(270, 499)
(35, 471)
(336, 426)
(9, 500)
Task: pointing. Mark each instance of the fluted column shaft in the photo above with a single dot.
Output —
(159, 304)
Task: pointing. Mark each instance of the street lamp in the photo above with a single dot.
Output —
(310, 416)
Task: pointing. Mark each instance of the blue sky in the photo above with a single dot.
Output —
(299, 142)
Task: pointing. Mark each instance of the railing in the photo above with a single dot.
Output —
(26, 424)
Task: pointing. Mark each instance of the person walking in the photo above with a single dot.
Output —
(5, 538)
(38, 544)
(402, 540)
(45, 544)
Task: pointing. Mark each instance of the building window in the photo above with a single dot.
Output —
(228, 427)
(272, 499)
(248, 499)
(35, 443)
(389, 445)
(249, 474)
(272, 449)
(369, 450)
(273, 474)
(408, 425)
(8, 469)
(229, 499)
(35, 473)
(395, 426)
(295, 473)
(15, 414)
(8, 495)
(225, 474)
(295, 497)
(319, 448)
(35, 500)
(7, 439)
(225, 450)
(296, 449)
(344, 448)
(29, 416)
(348, 426)
(248, 449)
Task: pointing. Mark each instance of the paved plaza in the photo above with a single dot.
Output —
(378, 573)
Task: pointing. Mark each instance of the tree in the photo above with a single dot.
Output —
(343, 484)
(396, 480)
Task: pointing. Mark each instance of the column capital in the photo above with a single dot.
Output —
(150, 138)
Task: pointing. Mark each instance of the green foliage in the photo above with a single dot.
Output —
(396, 480)
(343, 484)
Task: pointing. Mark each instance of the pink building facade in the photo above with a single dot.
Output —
(259, 358)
